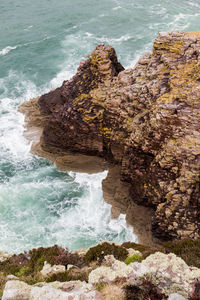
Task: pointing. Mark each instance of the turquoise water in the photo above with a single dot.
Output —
(41, 44)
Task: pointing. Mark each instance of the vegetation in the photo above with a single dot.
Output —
(98, 252)
(145, 250)
(72, 274)
(149, 292)
(188, 250)
(27, 266)
(133, 258)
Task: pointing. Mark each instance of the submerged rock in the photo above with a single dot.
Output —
(147, 119)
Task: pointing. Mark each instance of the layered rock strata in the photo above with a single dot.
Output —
(147, 119)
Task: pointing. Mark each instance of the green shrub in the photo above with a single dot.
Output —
(98, 252)
(100, 286)
(133, 258)
(27, 266)
(188, 250)
(62, 277)
(145, 250)
(72, 274)
(23, 271)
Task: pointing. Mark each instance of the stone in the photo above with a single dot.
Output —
(132, 252)
(165, 274)
(49, 270)
(12, 277)
(69, 266)
(176, 296)
(76, 290)
(4, 256)
(138, 270)
(116, 269)
(16, 290)
(171, 274)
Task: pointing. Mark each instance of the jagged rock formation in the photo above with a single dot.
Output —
(147, 119)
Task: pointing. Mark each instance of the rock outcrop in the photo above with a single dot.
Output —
(147, 119)
(166, 274)
(107, 271)
(18, 290)
(160, 276)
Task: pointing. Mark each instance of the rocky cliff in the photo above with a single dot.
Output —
(147, 119)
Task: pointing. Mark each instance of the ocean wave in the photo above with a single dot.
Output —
(7, 49)
(28, 28)
(117, 7)
(123, 38)
(194, 4)
(182, 21)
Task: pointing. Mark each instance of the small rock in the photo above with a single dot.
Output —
(69, 267)
(80, 252)
(12, 277)
(132, 252)
(4, 256)
(138, 270)
(16, 290)
(176, 296)
(49, 270)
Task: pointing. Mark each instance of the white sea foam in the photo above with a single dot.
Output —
(194, 4)
(91, 217)
(132, 61)
(40, 205)
(182, 21)
(72, 47)
(28, 28)
(117, 7)
(60, 77)
(123, 38)
(7, 49)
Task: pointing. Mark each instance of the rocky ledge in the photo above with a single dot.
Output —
(106, 271)
(146, 119)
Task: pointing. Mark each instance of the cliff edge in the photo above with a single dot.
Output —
(147, 119)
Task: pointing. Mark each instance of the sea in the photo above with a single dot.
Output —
(41, 44)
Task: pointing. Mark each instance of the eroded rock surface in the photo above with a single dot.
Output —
(165, 274)
(18, 290)
(49, 270)
(147, 119)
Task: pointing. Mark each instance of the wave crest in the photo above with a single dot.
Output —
(7, 49)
